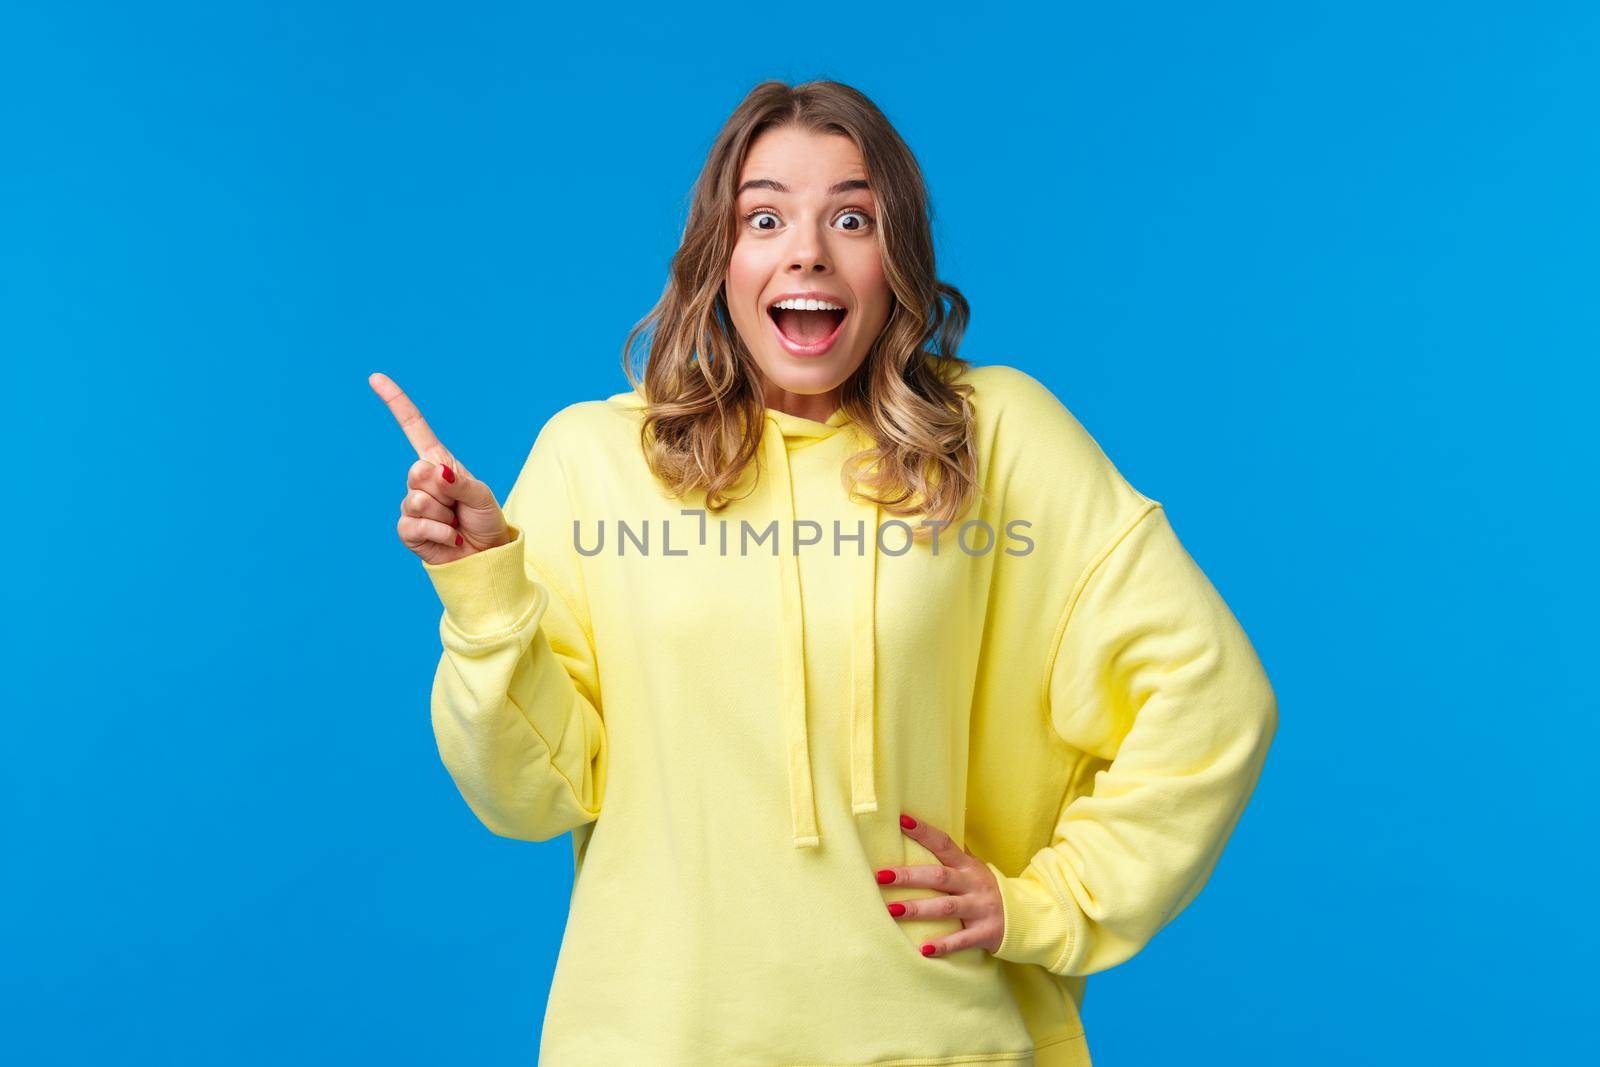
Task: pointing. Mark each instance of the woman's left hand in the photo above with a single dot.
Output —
(972, 894)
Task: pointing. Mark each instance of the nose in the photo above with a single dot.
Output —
(809, 255)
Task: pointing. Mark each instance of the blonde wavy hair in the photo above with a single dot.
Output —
(704, 404)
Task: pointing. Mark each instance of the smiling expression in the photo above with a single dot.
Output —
(807, 224)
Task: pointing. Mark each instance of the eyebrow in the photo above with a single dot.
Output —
(777, 186)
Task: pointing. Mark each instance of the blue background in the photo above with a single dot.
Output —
(1319, 277)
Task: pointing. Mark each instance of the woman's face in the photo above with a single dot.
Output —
(807, 223)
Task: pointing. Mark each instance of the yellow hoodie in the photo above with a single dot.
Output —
(730, 716)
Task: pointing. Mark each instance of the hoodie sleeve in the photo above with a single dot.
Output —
(1150, 671)
(516, 698)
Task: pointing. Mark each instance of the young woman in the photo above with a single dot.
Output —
(880, 707)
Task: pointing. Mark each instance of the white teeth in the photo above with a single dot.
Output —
(808, 305)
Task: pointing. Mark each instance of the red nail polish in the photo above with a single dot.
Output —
(885, 877)
(458, 539)
(927, 950)
(449, 475)
(897, 909)
(908, 822)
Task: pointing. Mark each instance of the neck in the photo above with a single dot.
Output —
(815, 406)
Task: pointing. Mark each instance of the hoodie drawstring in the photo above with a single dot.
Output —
(863, 671)
(791, 636)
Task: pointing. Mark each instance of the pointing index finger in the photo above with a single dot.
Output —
(410, 419)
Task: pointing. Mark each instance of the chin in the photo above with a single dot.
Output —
(795, 374)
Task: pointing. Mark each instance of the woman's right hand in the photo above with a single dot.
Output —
(446, 514)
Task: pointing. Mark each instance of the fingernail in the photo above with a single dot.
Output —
(458, 539)
(449, 475)
(885, 877)
(455, 520)
(928, 950)
(897, 909)
(908, 822)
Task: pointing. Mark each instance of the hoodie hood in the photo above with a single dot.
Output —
(782, 434)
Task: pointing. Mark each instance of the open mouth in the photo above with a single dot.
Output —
(807, 333)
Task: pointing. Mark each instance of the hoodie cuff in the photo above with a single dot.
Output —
(487, 592)
(1039, 928)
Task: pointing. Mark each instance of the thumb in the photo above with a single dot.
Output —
(466, 489)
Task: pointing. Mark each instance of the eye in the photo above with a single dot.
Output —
(861, 226)
(866, 220)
